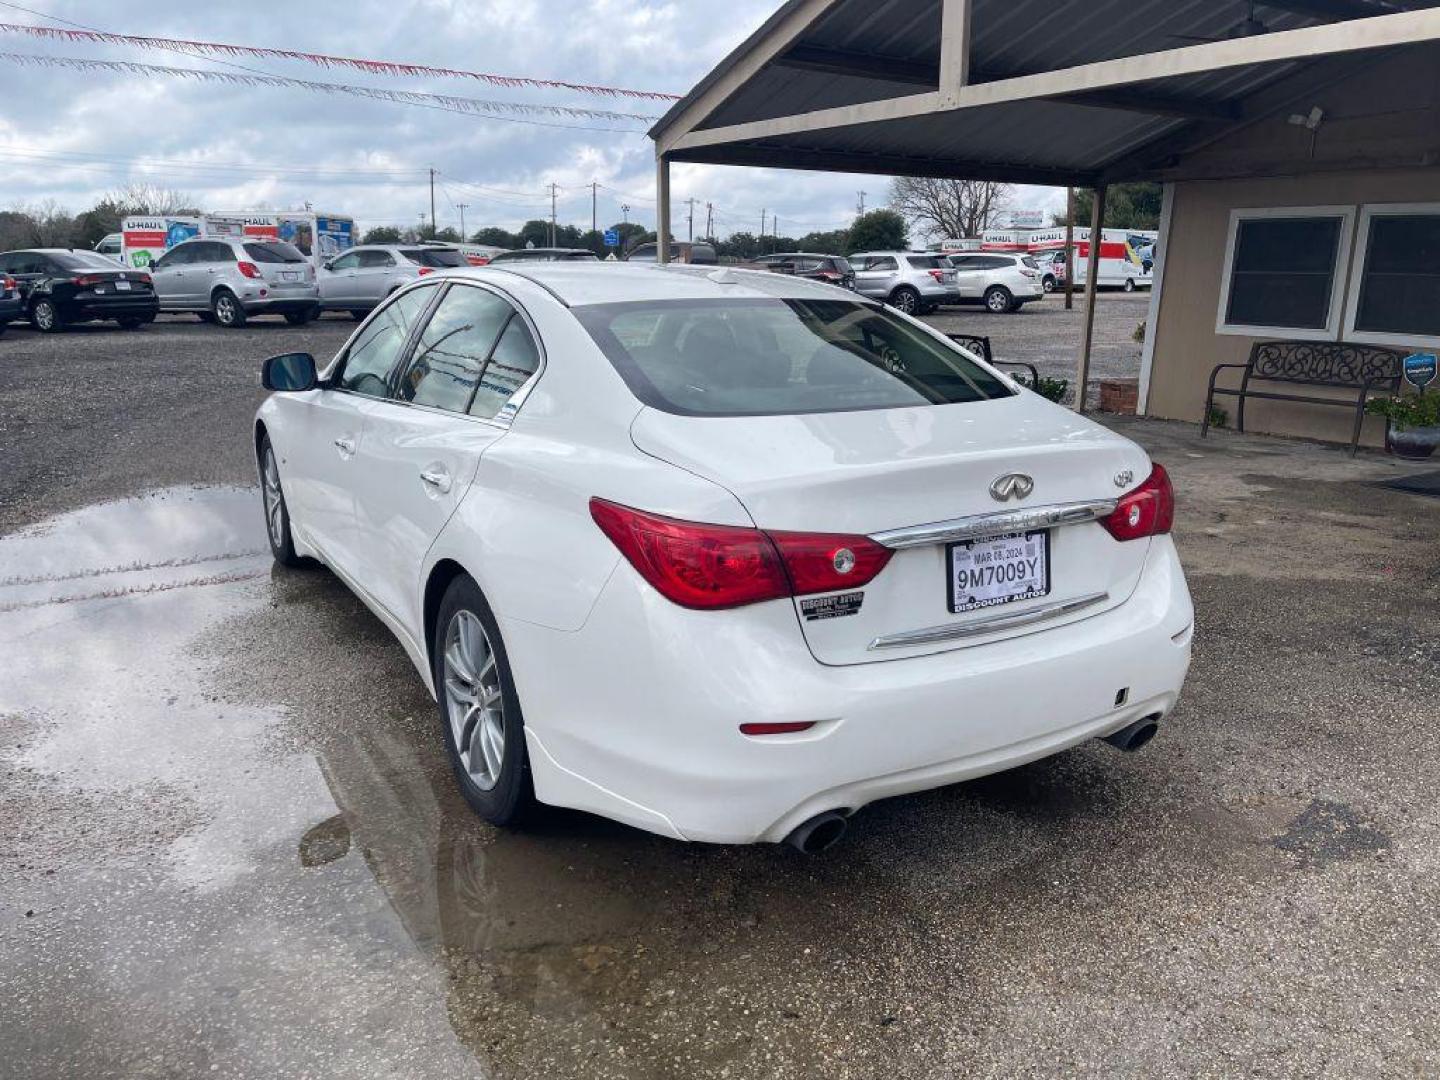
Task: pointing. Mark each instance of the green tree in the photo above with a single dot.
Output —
(1127, 206)
(878, 230)
(494, 236)
(381, 234)
(534, 232)
(824, 243)
(449, 235)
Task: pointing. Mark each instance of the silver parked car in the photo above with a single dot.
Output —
(1000, 281)
(909, 281)
(227, 280)
(363, 276)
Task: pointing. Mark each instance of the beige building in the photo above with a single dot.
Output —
(1300, 151)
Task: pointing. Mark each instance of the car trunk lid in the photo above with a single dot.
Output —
(884, 472)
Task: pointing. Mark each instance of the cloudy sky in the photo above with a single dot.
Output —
(71, 135)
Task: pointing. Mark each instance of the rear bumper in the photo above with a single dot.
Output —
(636, 716)
(12, 308)
(145, 307)
(279, 304)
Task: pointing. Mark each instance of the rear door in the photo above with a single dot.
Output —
(969, 277)
(374, 276)
(423, 442)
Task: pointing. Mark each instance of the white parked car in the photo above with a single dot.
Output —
(723, 554)
(363, 276)
(999, 281)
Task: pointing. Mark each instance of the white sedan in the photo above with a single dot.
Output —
(724, 555)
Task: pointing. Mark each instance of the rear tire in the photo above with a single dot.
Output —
(300, 318)
(46, 317)
(130, 324)
(277, 513)
(1129, 284)
(998, 300)
(1049, 284)
(905, 299)
(358, 313)
(479, 708)
(227, 310)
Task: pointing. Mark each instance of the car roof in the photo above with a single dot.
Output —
(579, 283)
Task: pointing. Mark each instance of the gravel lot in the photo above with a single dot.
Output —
(229, 843)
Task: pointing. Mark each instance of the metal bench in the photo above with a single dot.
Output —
(979, 344)
(1362, 368)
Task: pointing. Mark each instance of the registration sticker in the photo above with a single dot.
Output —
(998, 570)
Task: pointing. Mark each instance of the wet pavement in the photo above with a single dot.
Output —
(230, 844)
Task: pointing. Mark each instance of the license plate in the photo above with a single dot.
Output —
(122, 286)
(998, 570)
(289, 275)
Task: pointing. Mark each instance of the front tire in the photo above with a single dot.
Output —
(905, 299)
(1050, 284)
(277, 513)
(1129, 284)
(130, 324)
(479, 708)
(227, 310)
(998, 300)
(358, 313)
(46, 317)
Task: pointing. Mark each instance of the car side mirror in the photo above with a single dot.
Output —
(289, 372)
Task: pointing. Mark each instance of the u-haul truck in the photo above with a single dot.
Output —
(1127, 256)
(144, 238)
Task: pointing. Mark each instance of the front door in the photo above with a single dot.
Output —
(423, 445)
(373, 277)
(875, 275)
(337, 280)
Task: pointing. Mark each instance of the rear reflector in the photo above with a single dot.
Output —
(788, 727)
(1149, 510)
(709, 567)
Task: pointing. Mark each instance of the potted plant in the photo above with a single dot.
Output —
(1413, 427)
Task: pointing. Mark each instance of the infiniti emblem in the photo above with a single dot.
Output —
(1011, 486)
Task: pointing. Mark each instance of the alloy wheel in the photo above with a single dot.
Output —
(225, 310)
(998, 302)
(905, 301)
(274, 501)
(474, 702)
(44, 315)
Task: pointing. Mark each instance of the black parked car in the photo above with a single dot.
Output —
(546, 255)
(831, 269)
(11, 306)
(59, 286)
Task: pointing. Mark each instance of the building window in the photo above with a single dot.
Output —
(1284, 271)
(1395, 297)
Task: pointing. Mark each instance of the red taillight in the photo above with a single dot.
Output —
(723, 566)
(145, 279)
(7, 284)
(248, 269)
(86, 280)
(830, 275)
(783, 727)
(1149, 510)
(823, 562)
(938, 275)
(426, 270)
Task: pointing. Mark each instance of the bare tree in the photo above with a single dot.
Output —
(43, 224)
(949, 208)
(146, 198)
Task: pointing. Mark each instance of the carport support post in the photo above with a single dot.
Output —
(1069, 248)
(1092, 289)
(662, 208)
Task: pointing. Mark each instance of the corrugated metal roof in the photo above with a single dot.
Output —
(1009, 38)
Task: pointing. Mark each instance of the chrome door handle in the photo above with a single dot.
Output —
(346, 446)
(439, 479)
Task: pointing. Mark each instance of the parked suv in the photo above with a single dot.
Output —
(363, 276)
(909, 281)
(832, 269)
(226, 280)
(60, 286)
(1001, 282)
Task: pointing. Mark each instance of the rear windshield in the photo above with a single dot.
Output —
(434, 257)
(274, 253)
(84, 260)
(767, 357)
(842, 265)
(929, 262)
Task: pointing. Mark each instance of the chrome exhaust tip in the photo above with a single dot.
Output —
(819, 833)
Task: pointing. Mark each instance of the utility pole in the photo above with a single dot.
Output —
(462, 207)
(691, 201)
(762, 233)
(709, 221)
(860, 206)
(553, 188)
(422, 224)
(432, 200)
(594, 184)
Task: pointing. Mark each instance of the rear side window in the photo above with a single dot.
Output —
(436, 257)
(375, 352)
(274, 253)
(373, 260)
(514, 360)
(881, 262)
(453, 349)
(778, 357)
(927, 262)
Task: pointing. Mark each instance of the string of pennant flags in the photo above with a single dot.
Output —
(325, 60)
(449, 102)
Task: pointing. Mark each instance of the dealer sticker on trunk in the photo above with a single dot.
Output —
(999, 570)
(831, 607)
